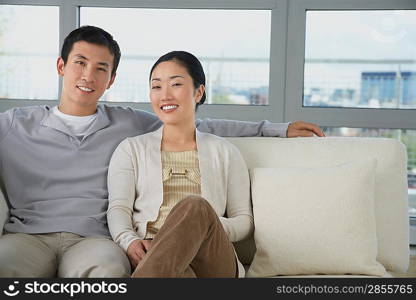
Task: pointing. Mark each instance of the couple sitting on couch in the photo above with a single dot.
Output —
(169, 187)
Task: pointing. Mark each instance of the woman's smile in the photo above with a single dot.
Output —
(169, 107)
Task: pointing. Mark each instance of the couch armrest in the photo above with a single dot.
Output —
(4, 212)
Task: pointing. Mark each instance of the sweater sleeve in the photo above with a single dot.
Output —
(147, 121)
(122, 193)
(239, 223)
(233, 128)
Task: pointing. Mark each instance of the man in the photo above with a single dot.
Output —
(54, 160)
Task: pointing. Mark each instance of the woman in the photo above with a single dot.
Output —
(169, 190)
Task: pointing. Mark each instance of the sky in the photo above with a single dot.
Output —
(361, 34)
(219, 33)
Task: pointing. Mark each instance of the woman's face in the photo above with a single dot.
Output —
(173, 94)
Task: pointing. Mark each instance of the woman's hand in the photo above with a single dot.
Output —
(137, 250)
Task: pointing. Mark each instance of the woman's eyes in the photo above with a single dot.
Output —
(173, 84)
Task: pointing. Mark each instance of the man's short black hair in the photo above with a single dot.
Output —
(93, 35)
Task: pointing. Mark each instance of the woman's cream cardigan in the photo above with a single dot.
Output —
(136, 189)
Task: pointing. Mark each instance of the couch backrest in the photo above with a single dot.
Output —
(391, 204)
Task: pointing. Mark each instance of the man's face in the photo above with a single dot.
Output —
(86, 74)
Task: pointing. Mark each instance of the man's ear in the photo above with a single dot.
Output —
(60, 66)
(113, 77)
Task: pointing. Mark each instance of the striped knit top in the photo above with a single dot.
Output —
(181, 178)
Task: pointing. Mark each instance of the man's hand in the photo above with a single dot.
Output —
(300, 128)
(137, 250)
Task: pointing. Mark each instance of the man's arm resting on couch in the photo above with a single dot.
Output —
(233, 128)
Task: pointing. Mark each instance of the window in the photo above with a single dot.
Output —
(368, 64)
(234, 49)
(241, 44)
(351, 63)
(28, 52)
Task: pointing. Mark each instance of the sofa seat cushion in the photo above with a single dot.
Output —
(386, 275)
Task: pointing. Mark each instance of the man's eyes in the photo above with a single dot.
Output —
(82, 63)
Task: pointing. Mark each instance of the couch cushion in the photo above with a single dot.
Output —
(386, 275)
(315, 220)
(391, 206)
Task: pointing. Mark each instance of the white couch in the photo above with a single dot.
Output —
(391, 204)
(391, 217)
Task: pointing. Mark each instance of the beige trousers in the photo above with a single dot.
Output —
(60, 254)
(191, 243)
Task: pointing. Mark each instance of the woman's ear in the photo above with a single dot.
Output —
(199, 93)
